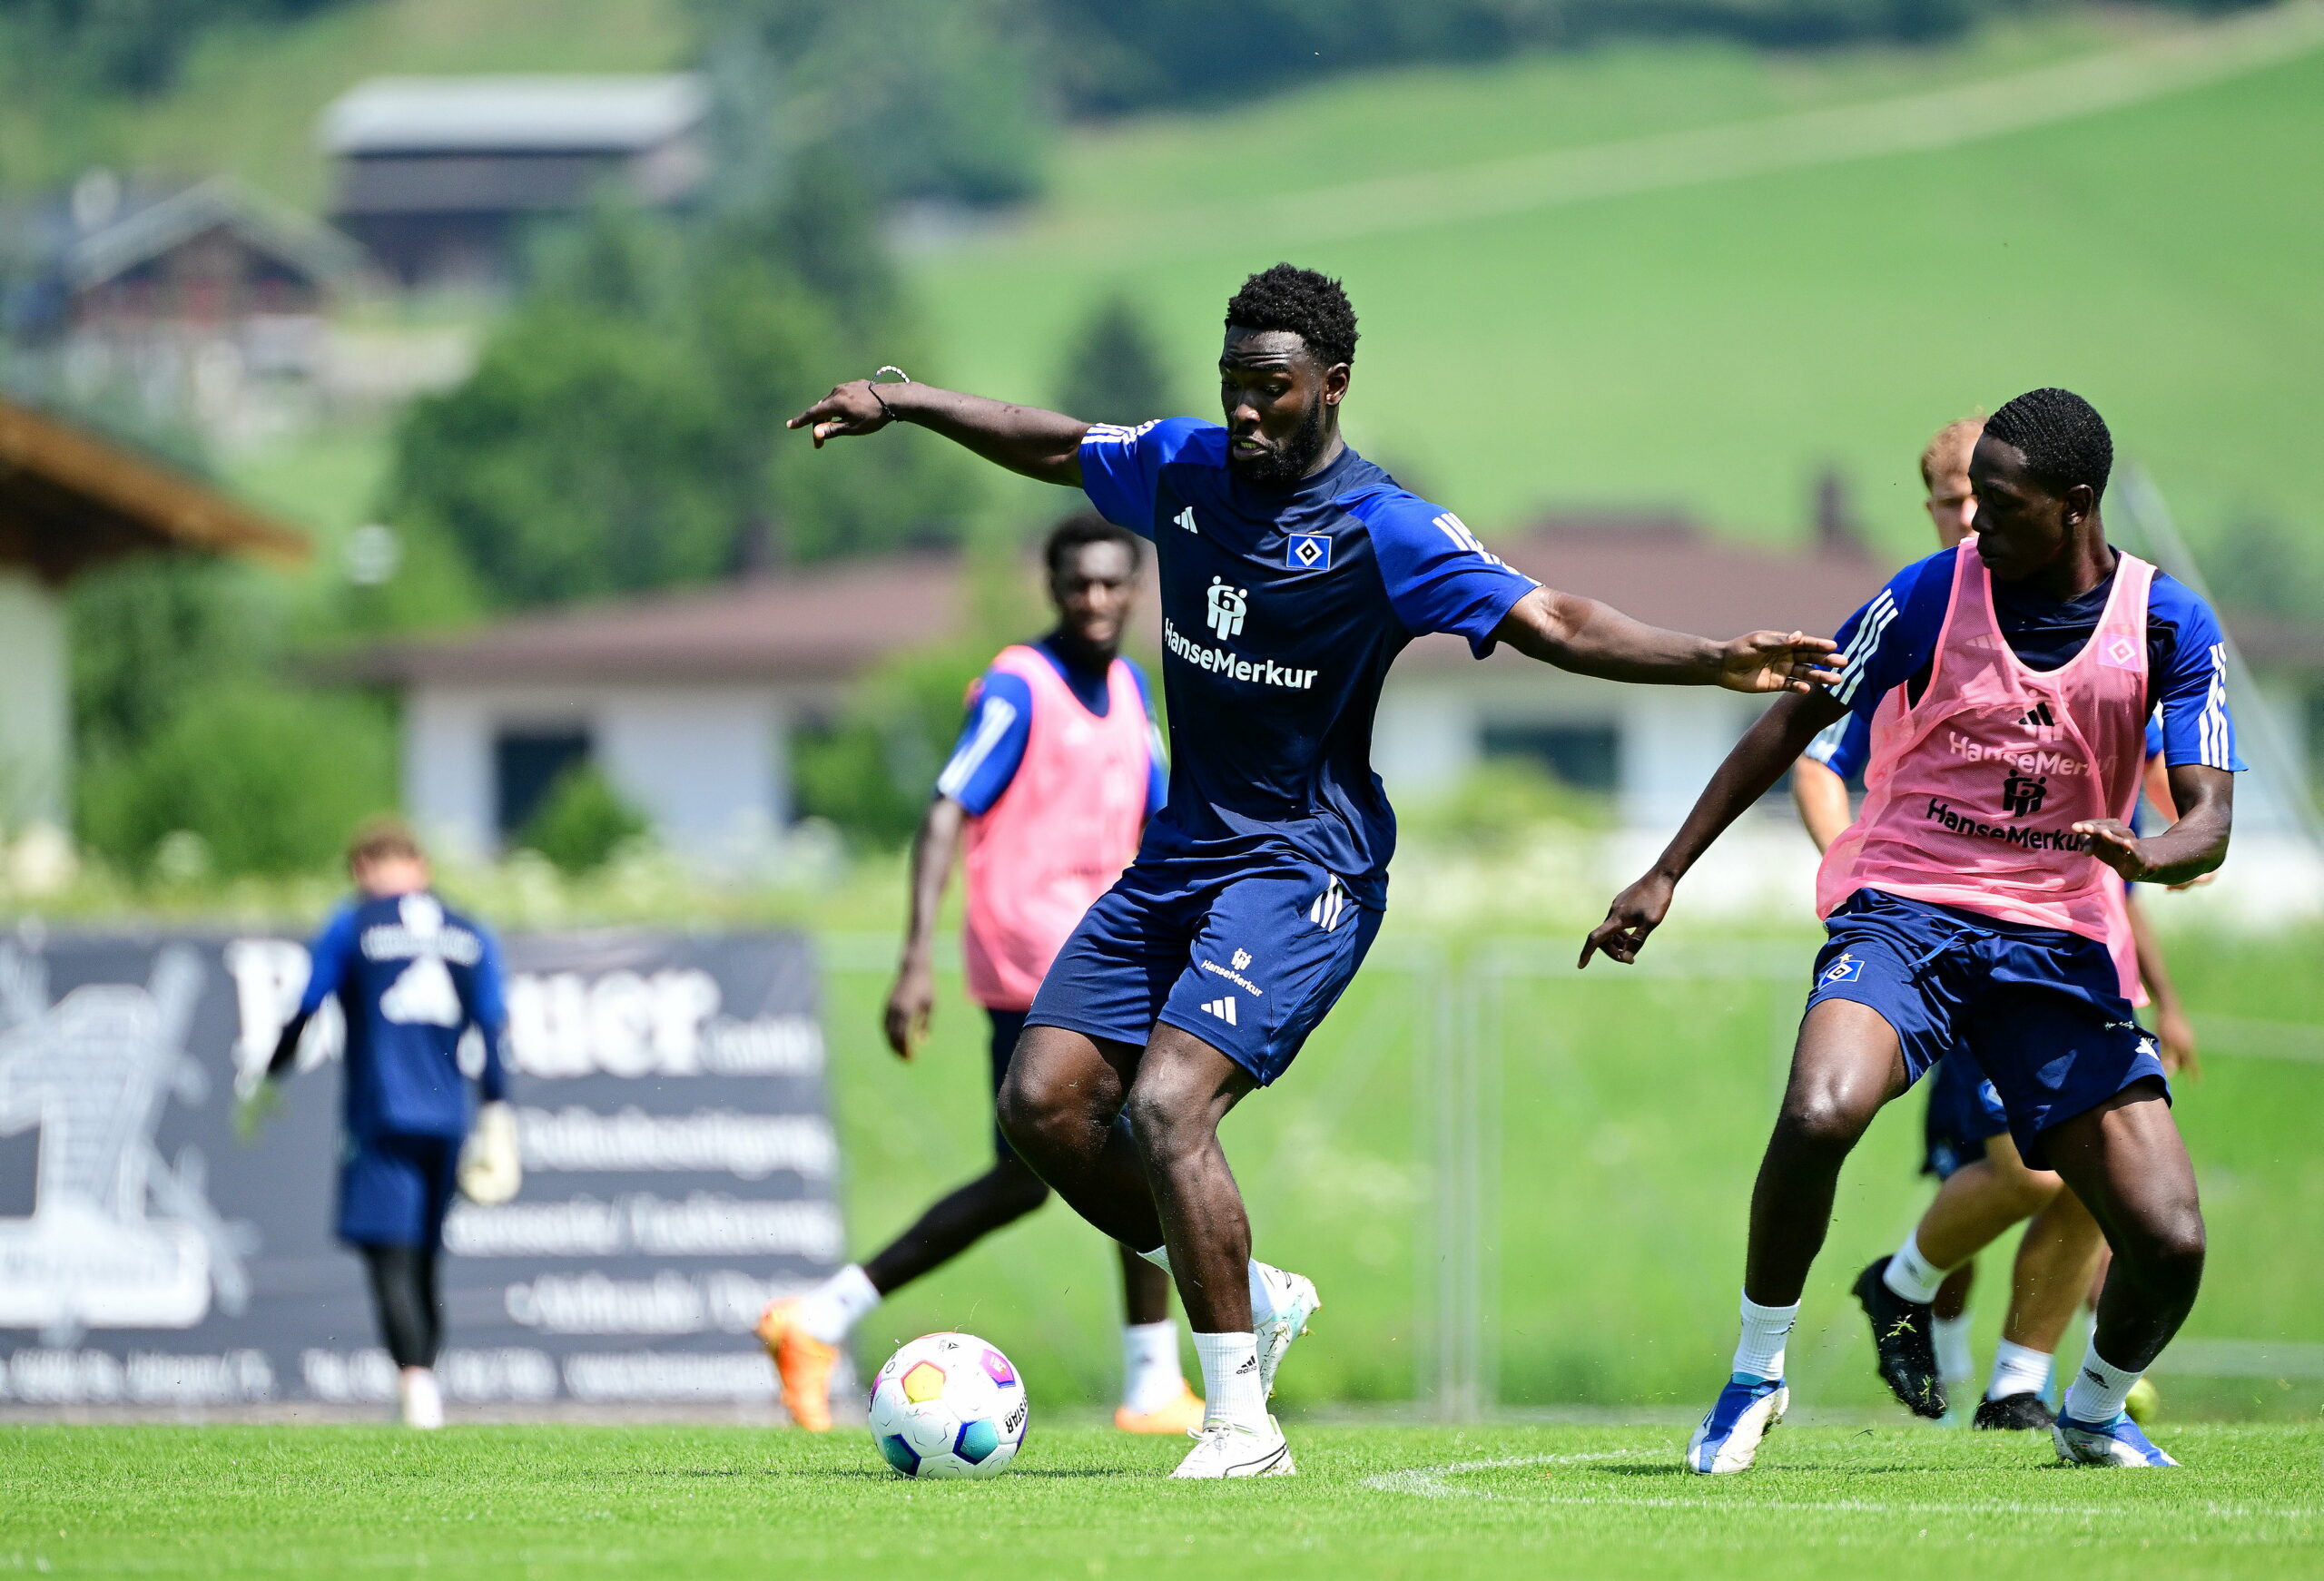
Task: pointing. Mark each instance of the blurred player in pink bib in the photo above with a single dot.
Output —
(1973, 903)
(1058, 767)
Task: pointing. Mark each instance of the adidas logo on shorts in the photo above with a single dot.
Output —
(1222, 1008)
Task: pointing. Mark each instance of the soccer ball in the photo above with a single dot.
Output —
(947, 1405)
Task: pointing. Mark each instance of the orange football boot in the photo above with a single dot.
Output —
(803, 1364)
(1182, 1415)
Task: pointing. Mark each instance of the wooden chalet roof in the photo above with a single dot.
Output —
(71, 498)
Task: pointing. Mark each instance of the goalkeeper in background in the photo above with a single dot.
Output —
(413, 979)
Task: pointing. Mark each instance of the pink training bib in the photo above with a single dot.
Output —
(1060, 834)
(1972, 793)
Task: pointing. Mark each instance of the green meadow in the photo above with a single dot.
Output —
(1695, 275)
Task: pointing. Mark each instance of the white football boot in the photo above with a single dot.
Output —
(1223, 1450)
(2116, 1443)
(1728, 1439)
(1293, 1301)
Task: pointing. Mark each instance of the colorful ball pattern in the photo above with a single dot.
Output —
(948, 1406)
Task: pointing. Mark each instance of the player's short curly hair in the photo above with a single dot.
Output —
(1310, 306)
(2064, 439)
(1085, 528)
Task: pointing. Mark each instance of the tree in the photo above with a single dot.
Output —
(623, 429)
(1115, 374)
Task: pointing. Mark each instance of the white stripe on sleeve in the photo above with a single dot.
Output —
(993, 720)
(1878, 617)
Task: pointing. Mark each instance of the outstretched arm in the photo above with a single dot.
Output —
(1589, 638)
(1750, 772)
(1042, 445)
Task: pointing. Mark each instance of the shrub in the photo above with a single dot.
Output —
(270, 780)
(582, 821)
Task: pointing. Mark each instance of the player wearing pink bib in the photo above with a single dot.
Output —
(1056, 772)
(1972, 904)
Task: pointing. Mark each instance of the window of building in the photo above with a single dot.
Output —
(524, 766)
(1586, 757)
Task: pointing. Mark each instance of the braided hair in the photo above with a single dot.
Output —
(2064, 439)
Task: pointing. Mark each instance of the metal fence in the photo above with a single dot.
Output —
(1523, 1187)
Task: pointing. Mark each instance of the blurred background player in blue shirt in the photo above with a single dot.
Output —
(414, 978)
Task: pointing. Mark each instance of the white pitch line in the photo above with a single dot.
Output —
(1432, 1482)
(1942, 118)
(1428, 1481)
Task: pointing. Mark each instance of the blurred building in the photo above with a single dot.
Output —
(69, 499)
(198, 302)
(439, 177)
(687, 702)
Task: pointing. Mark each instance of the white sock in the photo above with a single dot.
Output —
(1954, 1362)
(1911, 1275)
(1262, 1299)
(835, 1306)
(1230, 1379)
(1765, 1330)
(2098, 1389)
(423, 1402)
(2018, 1370)
(1150, 1375)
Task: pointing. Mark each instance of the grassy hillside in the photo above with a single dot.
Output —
(1710, 338)
(248, 99)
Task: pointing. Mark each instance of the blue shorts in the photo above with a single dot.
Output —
(2041, 1011)
(394, 1191)
(1965, 1113)
(1246, 956)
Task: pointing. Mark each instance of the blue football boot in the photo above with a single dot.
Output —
(2116, 1443)
(1728, 1439)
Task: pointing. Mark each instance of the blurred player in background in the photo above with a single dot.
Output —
(2010, 682)
(1056, 771)
(1984, 1187)
(1293, 573)
(414, 978)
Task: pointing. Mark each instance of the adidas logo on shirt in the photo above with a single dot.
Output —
(2039, 715)
(1222, 1008)
(1186, 518)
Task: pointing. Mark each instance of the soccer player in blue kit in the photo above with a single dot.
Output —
(413, 976)
(1293, 573)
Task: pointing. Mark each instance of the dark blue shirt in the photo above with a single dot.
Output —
(1282, 608)
(1000, 722)
(412, 977)
(1890, 641)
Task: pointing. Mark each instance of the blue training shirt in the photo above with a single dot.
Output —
(1890, 641)
(1000, 722)
(1282, 608)
(412, 977)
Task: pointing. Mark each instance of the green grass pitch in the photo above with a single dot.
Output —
(1083, 1501)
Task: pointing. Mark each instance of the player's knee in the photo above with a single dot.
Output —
(1031, 1112)
(1165, 1120)
(1821, 1119)
(2174, 1249)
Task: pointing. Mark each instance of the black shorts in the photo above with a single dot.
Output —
(1006, 1026)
